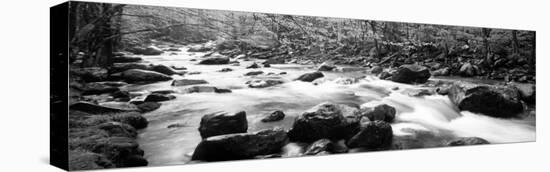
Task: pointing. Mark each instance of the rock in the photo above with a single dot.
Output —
(215, 61)
(90, 74)
(526, 91)
(253, 73)
(274, 116)
(409, 74)
(275, 60)
(267, 65)
(94, 108)
(345, 81)
(253, 66)
(121, 95)
(194, 73)
(179, 68)
(97, 88)
(186, 82)
(118, 129)
(222, 90)
(155, 97)
(467, 141)
(177, 125)
(318, 147)
(133, 119)
(220, 123)
(148, 106)
(442, 72)
(121, 67)
(199, 49)
(259, 83)
(385, 75)
(491, 100)
(467, 69)
(381, 112)
(206, 89)
(326, 120)
(282, 73)
(376, 70)
(80, 160)
(120, 105)
(122, 151)
(241, 146)
(163, 91)
(126, 59)
(152, 50)
(163, 69)
(137, 75)
(309, 77)
(326, 66)
(226, 70)
(372, 135)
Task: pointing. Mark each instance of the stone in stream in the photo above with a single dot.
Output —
(381, 112)
(206, 89)
(253, 66)
(125, 106)
(319, 147)
(163, 91)
(186, 82)
(155, 97)
(137, 75)
(118, 129)
(267, 65)
(467, 141)
(442, 72)
(178, 67)
(372, 135)
(467, 69)
(409, 74)
(121, 95)
(98, 88)
(274, 116)
(150, 50)
(148, 106)
(226, 70)
(164, 69)
(90, 74)
(263, 83)
(253, 73)
(220, 123)
(83, 160)
(275, 60)
(526, 91)
(326, 120)
(326, 66)
(199, 49)
(92, 108)
(126, 59)
(121, 151)
(241, 145)
(491, 100)
(121, 67)
(376, 70)
(215, 60)
(309, 77)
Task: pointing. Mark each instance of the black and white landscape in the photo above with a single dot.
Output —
(156, 86)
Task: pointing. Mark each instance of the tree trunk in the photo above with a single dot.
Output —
(373, 26)
(515, 44)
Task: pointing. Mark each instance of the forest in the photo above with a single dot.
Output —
(152, 85)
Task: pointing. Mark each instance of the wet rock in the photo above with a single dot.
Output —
(346, 81)
(326, 120)
(81, 160)
(526, 91)
(309, 77)
(411, 74)
(226, 70)
(126, 59)
(164, 69)
(133, 119)
(194, 73)
(118, 129)
(385, 75)
(495, 101)
(376, 70)
(267, 65)
(90, 74)
(186, 82)
(259, 83)
(268, 156)
(92, 108)
(467, 69)
(98, 88)
(221, 123)
(137, 75)
(120, 105)
(148, 106)
(467, 141)
(121, 95)
(275, 60)
(206, 89)
(274, 116)
(122, 151)
(442, 72)
(155, 97)
(121, 67)
(215, 60)
(241, 146)
(381, 112)
(163, 91)
(151, 50)
(199, 49)
(372, 135)
(319, 147)
(177, 125)
(326, 66)
(253, 73)
(282, 73)
(179, 68)
(253, 66)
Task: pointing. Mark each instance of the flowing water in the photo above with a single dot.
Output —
(427, 121)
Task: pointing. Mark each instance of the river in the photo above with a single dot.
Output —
(427, 121)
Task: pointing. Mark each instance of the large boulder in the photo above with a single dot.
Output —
(326, 120)
(215, 60)
(164, 69)
(156, 97)
(467, 141)
(121, 67)
(186, 82)
(137, 75)
(491, 100)
(90, 74)
(274, 116)
(326, 66)
(241, 146)
(411, 74)
(381, 112)
(372, 135)
(309, 77)
(263, 83)
(92, 108)
(220, 123)
(526, 91)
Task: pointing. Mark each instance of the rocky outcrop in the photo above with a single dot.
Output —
(221, 123)
(186, 82)
(241, 146)
(491, 100)
(138, 75)
(463, 141)
(309, 77)
(326, 120)
(411, 74)
(372, 135)
(274, 116)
